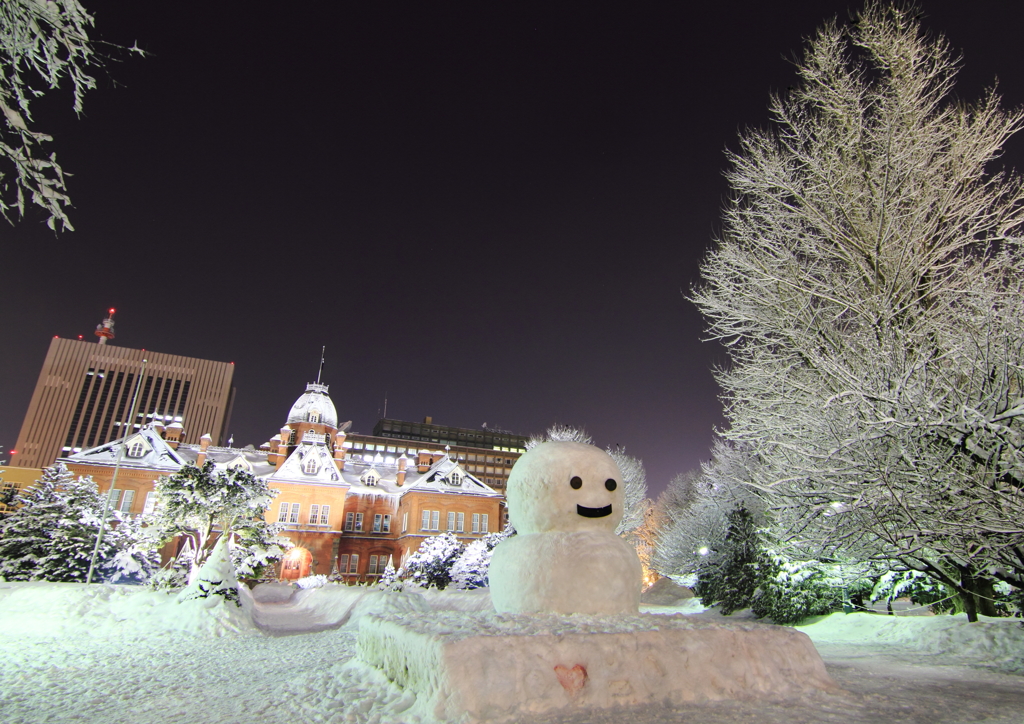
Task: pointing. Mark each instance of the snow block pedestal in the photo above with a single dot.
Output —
(468, 667)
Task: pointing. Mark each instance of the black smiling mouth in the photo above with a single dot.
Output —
(594, 512)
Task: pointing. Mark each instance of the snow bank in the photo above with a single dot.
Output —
(992, 642)
(103, 610)
(487, 666)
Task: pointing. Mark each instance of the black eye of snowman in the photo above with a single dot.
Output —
(610, 484)
(576, 482)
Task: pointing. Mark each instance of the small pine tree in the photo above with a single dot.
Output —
(431, 565)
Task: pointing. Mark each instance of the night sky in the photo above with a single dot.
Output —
(488, 213)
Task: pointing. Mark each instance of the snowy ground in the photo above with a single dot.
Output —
(118, 654)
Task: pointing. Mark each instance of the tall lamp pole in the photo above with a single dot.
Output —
(117, 468)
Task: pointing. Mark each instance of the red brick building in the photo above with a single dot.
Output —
(344, 511)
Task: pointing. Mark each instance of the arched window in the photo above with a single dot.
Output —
(455, 478)
(314, 416)
(370, 477)
(310, 466)
(137, 449)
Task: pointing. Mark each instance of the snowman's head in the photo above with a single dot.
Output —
(565, 486)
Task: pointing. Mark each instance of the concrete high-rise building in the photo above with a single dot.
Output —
(84, 395)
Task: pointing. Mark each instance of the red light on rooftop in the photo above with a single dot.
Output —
(14, 452)
(112, 310)
(79, 336)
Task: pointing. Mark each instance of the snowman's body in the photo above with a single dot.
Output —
(565, 500)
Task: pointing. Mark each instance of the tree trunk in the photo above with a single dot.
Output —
(967, 594)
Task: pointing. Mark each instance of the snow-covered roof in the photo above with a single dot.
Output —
(447, 476)
(314, 400)
(310, 463)
(255, 461)
(144, 448)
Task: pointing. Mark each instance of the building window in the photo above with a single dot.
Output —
(476, 522)
(137, 449)
(343, 563)
(325, 513)
(451, 522)
(431, 520)
(353, 563)
(377, 521)
(405, 522)
(294, 517)
(460, 522)
(314, 416)
(483, 523)
(314, 515)
(373, 565)
(150, 504)
(126, 501)
(282, 514)
(310, 466)
(353, 521)
(386, 527)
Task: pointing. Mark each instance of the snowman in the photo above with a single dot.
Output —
(565, 500)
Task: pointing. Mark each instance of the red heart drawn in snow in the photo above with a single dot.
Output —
(572, 680)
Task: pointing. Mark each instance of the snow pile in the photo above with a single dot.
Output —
(492, 666)
(992, 642)
(42, 609)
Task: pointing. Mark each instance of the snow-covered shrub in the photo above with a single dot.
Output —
(470, 569)
(795, 590)
(920, 588)
(317, 580)
(431, 565)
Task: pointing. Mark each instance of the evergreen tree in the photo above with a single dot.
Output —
(431, 565)
(731, 576)
(470, 569)
(51, 534)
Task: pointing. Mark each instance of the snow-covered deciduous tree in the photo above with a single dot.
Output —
(431, 565)
(695, 521)
(868, 287)
(634, 483)
(194, 501)
(52, 531)
(41, 44)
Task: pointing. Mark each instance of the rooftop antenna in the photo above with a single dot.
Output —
(105, 329)
(385, 404)
(320, 371)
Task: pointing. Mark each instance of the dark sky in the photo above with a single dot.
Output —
(487, 212)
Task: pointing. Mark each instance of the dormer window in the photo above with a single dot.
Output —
(310, 466)
(137, 449)
(370, 477)
(454, 479)
(314, 416)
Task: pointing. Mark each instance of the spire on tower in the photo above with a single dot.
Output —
(320, 371)
(105, 330)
